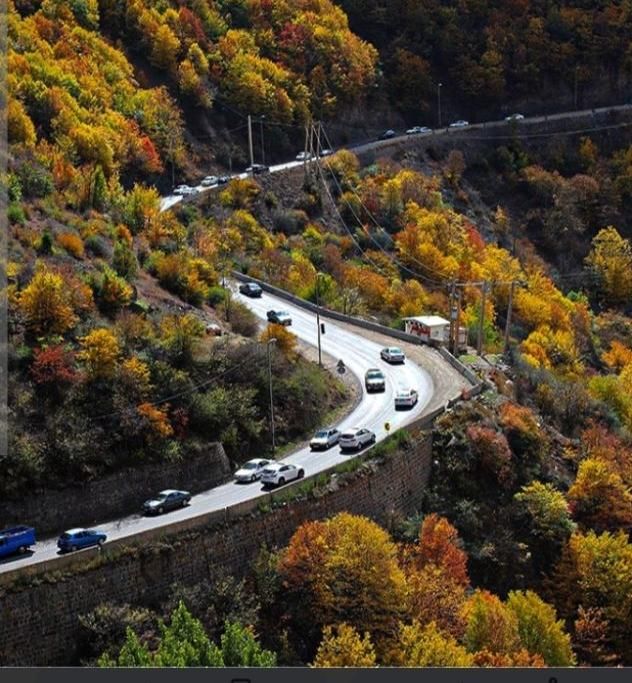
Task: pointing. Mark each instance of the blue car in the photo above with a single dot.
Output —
(17, 539)
(77, 539)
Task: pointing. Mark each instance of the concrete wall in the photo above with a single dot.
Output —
(114, 495)
(39, 615)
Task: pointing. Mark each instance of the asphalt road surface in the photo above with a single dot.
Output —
(513, 128)
(373, 411)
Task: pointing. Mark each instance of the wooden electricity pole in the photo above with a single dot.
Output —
(252, 156)
(509, 307)
(481, 321)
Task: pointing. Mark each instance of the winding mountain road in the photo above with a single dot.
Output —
(372, 411)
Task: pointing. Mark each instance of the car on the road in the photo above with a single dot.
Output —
(406, 398)
(258, 169)
(304, 156)
(326, 152)
(184, 190)
(387, 134)
(251, 470)
(418, 130)
(16, 539)
(374, 380)
(77, 539)
(324, 439)
(514, 117)
(279, 317)
(223, 179)
(356, 438)
(461, 123)
(279, 473)
(392, 354)
(214, 329)
(209, 181)
(170, 499)
(251, 289)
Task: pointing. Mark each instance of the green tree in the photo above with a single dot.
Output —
(539, 630)
(239, 648)
(132, 654)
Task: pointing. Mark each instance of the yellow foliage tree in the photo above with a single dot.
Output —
(99, 353)
(424, 646)
(611, 260)
(285, 340)
(46, 304)
(342, 646)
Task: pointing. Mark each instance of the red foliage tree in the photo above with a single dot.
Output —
(53, 367)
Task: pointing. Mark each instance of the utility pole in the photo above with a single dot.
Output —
(575, 99)
(509, 307)
(318, 142)
(452, 315)
(263, 148)
(320, 357)
(457, 345)
(308, 128)
(252, 156)
(269, 344)
(481, 322)
(439, 86)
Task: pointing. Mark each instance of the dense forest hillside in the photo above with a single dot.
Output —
(114, 306)
(490, 55)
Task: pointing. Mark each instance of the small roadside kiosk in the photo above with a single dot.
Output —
(429, 327)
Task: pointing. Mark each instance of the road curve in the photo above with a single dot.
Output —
(373, 411)
(514, 130)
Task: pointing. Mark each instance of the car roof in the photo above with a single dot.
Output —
(405, 390)
(166, 492)
(72, 532)
(257, 460)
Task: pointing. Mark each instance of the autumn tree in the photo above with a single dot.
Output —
(180, 335)
(420, 645)
(53, 368)
(346, 569)
(490, 625)
(99, 352)
(539, 629)
(611, 261)
(342, 646)
(286, 341)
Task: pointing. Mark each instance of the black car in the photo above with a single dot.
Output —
(166, 500)
(387, 135)
(258, 169)
(251, 289)
(223, 179)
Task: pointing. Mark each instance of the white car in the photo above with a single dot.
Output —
(209, 181)
(418, 130)
(279, 473)
(406, 398)
(184, 190)
(326, 152)
(356, 438)
(459, 124)
(514, 117)
(374, 380)
(392, 354)
(304, 156)
(324, 439)
(251, 470)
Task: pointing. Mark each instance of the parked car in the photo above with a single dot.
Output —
(406, 398)
(387, 134)
(418, 130)
(184, 190)
(324, 439)
(392, 354)
(170, 499)
(258, 169)
(279, 317)
(514, 117)
(77, 539)
(251, 289)
(374, 380)
(304, 156)
(209, 181)
(326, 152)
(461, 123)
(17, 539)
(356, 438)
(223, 179)
(279, 473)
(251, 470)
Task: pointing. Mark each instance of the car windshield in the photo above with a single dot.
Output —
(396, 350)
(374, 374)
(250, 466)
(65, 535)
(320, 435)
(161, 496)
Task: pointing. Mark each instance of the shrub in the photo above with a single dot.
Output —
(124, 260)
(242, 320)
(290, 221)
(35, 180)
(16, 214)
(72, 243)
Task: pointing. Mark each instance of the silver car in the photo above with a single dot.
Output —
(392, 354)
(374, 380)
(406, 398)
(459, 124)
(324, 439)
(251, 470)
(279, 473)
(356, 438)
(209, 181)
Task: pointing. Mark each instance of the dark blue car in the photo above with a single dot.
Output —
(76, 539)
(17, 539)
